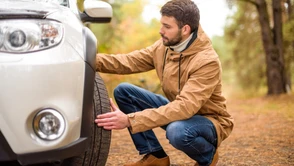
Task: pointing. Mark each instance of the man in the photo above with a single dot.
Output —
(194, 111)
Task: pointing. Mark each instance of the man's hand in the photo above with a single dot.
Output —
(113, 120)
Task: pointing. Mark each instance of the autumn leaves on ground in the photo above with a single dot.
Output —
(263, 136)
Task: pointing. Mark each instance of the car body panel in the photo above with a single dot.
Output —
(53, 79)
(59, 77)
(27, 8)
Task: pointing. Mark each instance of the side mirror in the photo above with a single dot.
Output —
(96, 11)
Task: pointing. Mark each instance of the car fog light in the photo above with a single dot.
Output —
(49, 124)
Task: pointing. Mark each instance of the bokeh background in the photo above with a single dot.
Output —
(255, 43)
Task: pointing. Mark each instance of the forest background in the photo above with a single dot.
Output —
(256, 49)
(240, 48)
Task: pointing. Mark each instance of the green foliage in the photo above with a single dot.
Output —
(222, 47)
(242, 33)
(127, 32)
(289, 31)
(288, 34)
(80, 4)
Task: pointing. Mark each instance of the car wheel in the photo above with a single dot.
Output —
(97, 152)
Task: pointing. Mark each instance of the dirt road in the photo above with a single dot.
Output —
(259, 138)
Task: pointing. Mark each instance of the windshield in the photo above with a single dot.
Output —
(61, 2)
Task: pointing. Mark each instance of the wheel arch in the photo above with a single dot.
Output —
(90, 50)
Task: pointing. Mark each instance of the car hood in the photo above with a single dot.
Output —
(27, 9)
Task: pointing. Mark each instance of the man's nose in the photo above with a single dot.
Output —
(161, 32)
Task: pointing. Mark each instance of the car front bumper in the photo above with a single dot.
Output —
(52, 78)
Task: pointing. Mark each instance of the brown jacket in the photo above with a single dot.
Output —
(196, 89)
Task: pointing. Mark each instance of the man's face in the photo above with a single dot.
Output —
(170, 32)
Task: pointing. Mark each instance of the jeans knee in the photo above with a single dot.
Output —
(120, 90)
(175, 133)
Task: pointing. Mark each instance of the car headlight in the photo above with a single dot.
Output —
(18, 36)
(49, 124)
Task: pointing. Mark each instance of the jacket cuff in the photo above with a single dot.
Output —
(132, 121)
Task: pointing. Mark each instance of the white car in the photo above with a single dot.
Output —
(50, 93)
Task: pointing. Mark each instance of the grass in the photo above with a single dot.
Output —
(281, 104)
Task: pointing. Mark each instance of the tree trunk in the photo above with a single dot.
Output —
(278, 39)
(274, 58)
(278, 29)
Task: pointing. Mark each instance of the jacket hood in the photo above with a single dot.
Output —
(27, 9)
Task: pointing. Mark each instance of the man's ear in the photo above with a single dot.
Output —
(186, 30)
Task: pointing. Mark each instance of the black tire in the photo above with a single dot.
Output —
(97, 152)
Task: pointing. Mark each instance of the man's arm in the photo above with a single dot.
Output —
(134, 62)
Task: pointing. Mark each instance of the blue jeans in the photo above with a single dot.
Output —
(196, 136)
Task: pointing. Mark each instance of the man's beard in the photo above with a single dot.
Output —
(173, 42)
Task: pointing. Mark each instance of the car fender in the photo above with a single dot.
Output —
(90, 48)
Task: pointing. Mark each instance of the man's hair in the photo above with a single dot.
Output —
(184, 11)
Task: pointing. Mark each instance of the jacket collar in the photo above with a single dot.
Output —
(199, 42)
(194, 36)
(183, 45)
